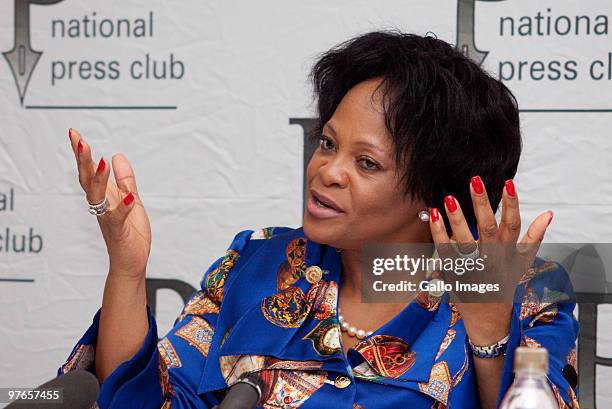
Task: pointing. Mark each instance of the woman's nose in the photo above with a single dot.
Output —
(334, 172)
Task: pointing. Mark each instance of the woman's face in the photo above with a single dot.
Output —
(354, 167)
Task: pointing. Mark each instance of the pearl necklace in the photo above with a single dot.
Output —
(351, 330)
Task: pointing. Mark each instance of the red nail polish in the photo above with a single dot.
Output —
(451, 203)
(101, 166)
(510, 187)
(477, 184)
(80, 147)
(551, 217)
(434, 214)
(128, 199)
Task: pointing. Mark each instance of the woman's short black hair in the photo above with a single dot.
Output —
(449, 119)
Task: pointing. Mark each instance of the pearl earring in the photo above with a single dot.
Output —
(424, 215)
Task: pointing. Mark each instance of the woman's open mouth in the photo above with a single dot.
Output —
(319, 209)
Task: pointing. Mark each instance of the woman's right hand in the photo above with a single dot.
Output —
(125, 226)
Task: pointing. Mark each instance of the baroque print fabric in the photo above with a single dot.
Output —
(268, 306)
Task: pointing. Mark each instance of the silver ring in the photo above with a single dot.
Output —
(99, 209)
(473, 255)
(436, 290)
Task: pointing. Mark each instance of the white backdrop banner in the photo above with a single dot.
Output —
(209, 102)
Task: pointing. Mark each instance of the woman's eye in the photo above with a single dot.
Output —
(368, 164)
(325, 140)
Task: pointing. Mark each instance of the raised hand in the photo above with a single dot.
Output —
(125, 226)
(504, 259)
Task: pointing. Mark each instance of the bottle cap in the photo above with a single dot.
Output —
(531, 360)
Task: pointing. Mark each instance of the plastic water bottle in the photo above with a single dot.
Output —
(530, 389)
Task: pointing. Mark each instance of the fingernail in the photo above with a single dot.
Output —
(70, 134)
(101, 166)
(551, 217)
(433, 214)
(128, 199)
(80, 147)
(477, 184)
(510, 187)
(451, 203)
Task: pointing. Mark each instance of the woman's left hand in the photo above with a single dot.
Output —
(505, 259)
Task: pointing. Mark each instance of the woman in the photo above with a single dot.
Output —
(417, 145)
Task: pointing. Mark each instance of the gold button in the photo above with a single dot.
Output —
(342, 382)
(314, 274)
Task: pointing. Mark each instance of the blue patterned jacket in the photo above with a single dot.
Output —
(256, 311)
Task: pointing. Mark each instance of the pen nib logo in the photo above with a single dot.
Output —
(22, 58)
(466, 42)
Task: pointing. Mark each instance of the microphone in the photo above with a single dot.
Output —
(80, 391)
(244, 394)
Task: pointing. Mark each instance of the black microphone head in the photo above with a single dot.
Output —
(255, 380)
(80, 391)
(245, 393)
